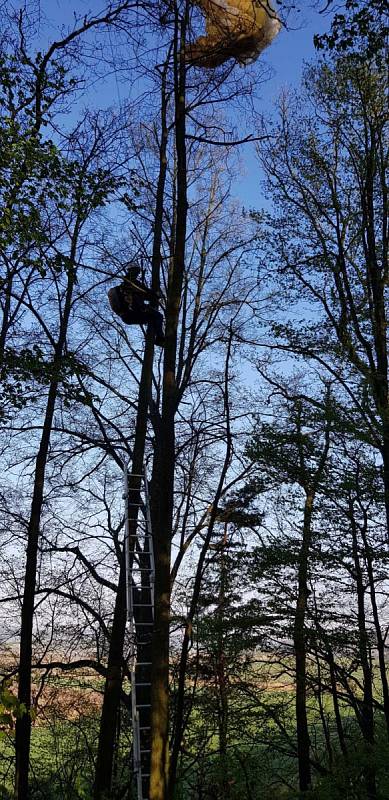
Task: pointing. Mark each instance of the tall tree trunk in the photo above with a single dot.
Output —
(179, 715)
(7, 289)
(222, 675)
(366, 718)
(322, 712)
(335, 702)
(310, 486)
(375, 169)
(113, 683)
(164, 463)
(112, 692)
(114, 679)
(220, 653)
(23, 725)
(381, 648)
(303, 741)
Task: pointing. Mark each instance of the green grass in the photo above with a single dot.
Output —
(259, 764)
(63, 759)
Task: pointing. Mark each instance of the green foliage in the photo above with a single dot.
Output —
(261, 773)
(346, 779)
(29, 166)
(23, 372)
(42, 194)
(361, 28)
(10, 709)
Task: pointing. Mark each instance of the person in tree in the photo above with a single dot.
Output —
(131, 299)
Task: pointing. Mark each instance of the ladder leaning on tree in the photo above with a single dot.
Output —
(139, 556)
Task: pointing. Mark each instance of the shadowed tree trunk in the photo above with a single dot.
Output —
(303, 741)
(164, 461)
(23, 724)
(179, 715)
(335, 701)
(366, 717)
(222, 676)
(319, 696)
(380, 640)
(113, 684)
(310, 485)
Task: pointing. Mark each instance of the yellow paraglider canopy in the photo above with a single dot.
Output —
(238, 29)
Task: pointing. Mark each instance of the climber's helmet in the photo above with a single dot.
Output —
(132, 271)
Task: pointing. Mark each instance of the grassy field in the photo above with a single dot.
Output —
(259, 763)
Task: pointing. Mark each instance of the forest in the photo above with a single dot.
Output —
(194, 401)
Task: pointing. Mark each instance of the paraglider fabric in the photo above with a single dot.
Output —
(239, 29)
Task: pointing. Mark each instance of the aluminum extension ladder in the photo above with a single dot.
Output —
(140, 574)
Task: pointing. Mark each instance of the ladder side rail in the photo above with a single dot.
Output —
(130, 619)
(150, 538)
(140, 570)
(137, 755)
(127, 546)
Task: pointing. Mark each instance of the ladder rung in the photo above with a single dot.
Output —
(137, 576)
(143, 664)
(144, 705)
(142, 605)
(142, 684)
(144, 751)
(137, 571)
(142, 569)
(138, 622)
(145, 728)
(139, 505)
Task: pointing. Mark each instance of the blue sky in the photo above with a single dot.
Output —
(285, 56)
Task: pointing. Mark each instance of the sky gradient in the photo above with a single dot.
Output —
(286, 57)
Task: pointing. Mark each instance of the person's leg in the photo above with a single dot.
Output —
(138, 305)
(155, 319)
(157, 322)
(132, 318)
(149, 316)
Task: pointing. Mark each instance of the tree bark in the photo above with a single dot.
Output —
(366, 718)
(324, 721)
(164, 462)
(222, 675)
(113, 684)
(179, 715)
(112, 692)
(23, 724)
(379, 637)
(303, 740)
(335, 702)
(310, 486)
